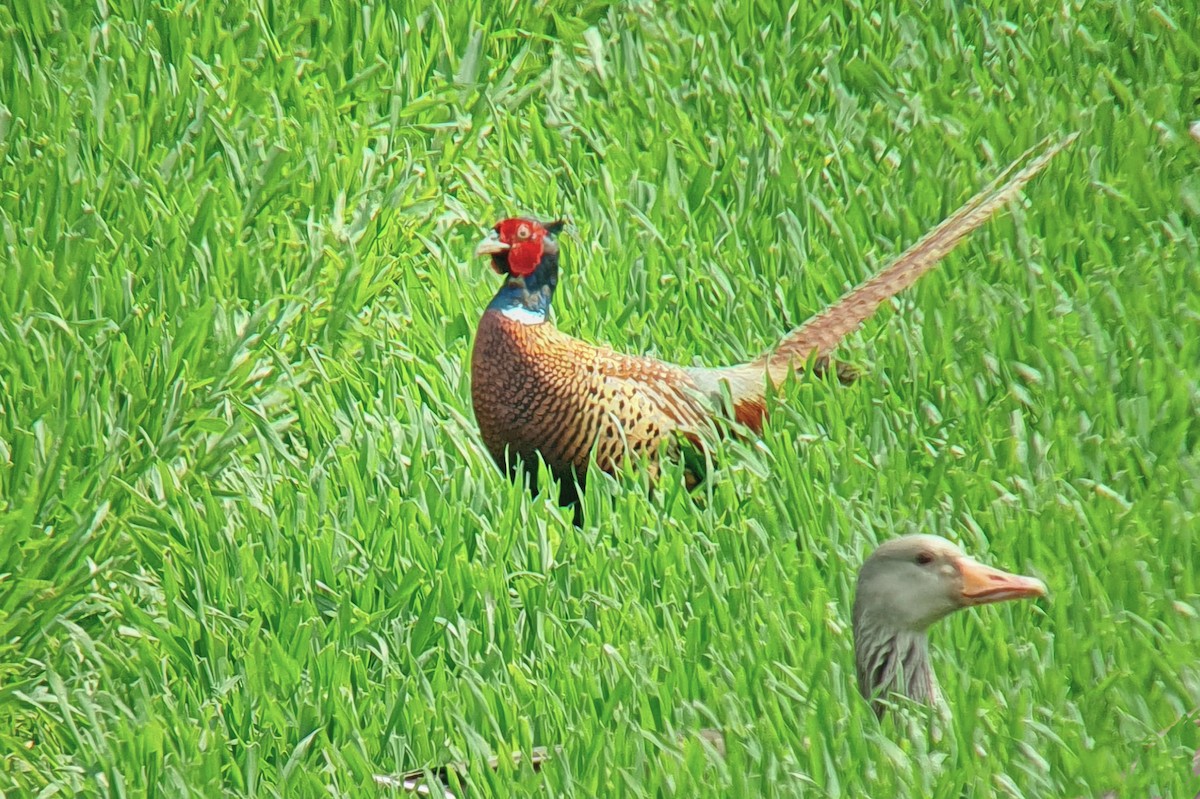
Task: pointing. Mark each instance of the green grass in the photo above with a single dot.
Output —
(250, 543)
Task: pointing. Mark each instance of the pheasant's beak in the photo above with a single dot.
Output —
(492, 245)
(982, 585)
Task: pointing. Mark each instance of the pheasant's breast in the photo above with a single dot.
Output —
(537, 390)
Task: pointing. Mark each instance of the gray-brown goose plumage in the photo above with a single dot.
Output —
(904, 587)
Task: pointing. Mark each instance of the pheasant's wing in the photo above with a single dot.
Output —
(641, 403)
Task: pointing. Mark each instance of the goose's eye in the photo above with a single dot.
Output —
(924, 559)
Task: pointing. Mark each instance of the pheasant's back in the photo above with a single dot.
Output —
(537, 390)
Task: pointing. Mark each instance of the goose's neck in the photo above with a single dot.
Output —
(893, 661)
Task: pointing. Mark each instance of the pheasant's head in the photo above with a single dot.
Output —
(517, 245)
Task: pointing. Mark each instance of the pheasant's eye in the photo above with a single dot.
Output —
(924, 559)
(523, 232)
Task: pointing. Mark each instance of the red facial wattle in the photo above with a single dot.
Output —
(524, 256)
(524, 238)
(517, 246)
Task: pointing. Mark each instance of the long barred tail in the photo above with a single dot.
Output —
(821, 334)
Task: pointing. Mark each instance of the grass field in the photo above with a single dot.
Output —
(251, 544)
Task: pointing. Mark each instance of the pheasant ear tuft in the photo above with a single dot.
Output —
(555, 227)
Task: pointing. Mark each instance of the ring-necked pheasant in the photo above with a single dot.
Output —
(904, 587)
(538, 391)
